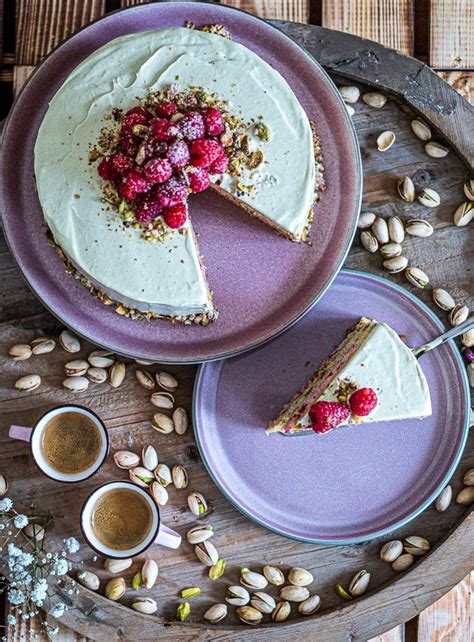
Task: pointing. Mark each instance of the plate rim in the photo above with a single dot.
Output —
(402, 522)
(357, 201)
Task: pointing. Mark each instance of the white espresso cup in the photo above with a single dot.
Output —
(35, 437)
(157, 534)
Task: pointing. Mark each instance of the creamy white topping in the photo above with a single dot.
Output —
(385, 364)
(166, 277)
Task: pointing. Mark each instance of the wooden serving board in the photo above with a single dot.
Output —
(127, 411)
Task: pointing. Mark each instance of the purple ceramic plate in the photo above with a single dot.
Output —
(262, 283)
(354, 483)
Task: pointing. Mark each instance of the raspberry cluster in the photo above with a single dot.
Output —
(326, 415)
(163, 156)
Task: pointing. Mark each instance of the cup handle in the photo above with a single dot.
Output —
(168, 537)
(20, 432)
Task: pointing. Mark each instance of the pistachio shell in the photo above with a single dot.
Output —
(380, 230)
(366, 220)
(180, 420)
(166, 381)
(443, 500)
(197, 504)
(391, 550)
(162, 474)
(469, 190)
(403, 562)
(443, 299)
(416, 545)
(162, 423)
(136, 479)
(249, 615)
(421, 129)
(76, 384)
(274, 575)
(69, 342)
(467, 339)
(206, 553)
(180, 476)
(299, 577)
(359, 583)
(149, 457)
(350, 109)
(34, 531)
(468, 478)
(385, 140)
(101, 359)
(42, 345)
(97, 375)
(349, 94)
(162, 400)
(144, 605)
(374, 99)
(428, 197)
(458, 314)
(396, 231)
(20, 352)
(237, 596)
(436, 150)
(3, 485)
(126, 460)
(418, 227)
(263, 602)
(294, 593)
(117, 374)
(145, 379)
(397, 264)
(252, 580)
(89, 580)
(159, 493)
(417, 277)
(465, 496)
(76, 368)
(199, 534)
(464, 213)
(149, 573)
(391, 250)
(117, 566)
(282, 611)
(215, 613)
(27, 383)
(310, 605)
(369, 241)
(406, 189)
(115, 588)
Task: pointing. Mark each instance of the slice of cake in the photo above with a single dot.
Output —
(371, 376)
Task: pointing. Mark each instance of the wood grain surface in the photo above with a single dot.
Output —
(127, 411)
(452, 33)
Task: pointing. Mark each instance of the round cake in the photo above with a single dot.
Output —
(155, 269)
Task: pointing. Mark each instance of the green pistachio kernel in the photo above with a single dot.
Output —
(183, 611)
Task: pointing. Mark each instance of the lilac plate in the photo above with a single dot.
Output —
(356, 482)
(262, 283)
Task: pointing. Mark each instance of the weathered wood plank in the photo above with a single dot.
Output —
(461, 81)
(43, 24)
(21, 74)
(451, 617)
(389, 22)
(394, 635)
(294, 10)
(452, 33)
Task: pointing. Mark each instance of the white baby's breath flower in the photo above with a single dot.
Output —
(60, 567)
(11, 620)
(6, 504)
(72, 545)
(39, 592)
(58, 610)
(21, 521)
(16, 597)
(14, 550)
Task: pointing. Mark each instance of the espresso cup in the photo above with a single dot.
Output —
(120, 520)
(68, 443)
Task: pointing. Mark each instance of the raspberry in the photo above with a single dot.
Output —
(106, 169)
(171, 193)
(176, 216)
(128, 146)
(158, 170)
(163, 129)
(219, 166)
(199, 179)
(137, 182)
(122, 164)
(213, 121)
(166, 109)
(325, 415)
(143, 114)
(148, 209)
(363, 401)
(178, 154)
(205, 152)
(127, 191)
(191, 126)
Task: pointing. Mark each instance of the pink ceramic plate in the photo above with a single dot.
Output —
(262, 283)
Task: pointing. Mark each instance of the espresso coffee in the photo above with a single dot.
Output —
(71, 442)
(121, 519)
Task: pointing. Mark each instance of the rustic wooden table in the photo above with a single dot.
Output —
(446, 257)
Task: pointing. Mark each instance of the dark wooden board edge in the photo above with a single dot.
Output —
(388, 71)
(95, 616)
